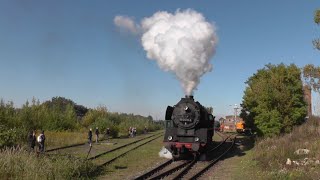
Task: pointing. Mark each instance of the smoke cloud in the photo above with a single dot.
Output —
(181, 43)
(165, 153)
(126, 23)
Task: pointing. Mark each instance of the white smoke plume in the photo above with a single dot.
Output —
(165, 153)
(182, 43)
(126, 23)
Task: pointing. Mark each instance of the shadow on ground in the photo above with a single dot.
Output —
(243, 143)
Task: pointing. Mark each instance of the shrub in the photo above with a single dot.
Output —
(17, 163)
(11, 136)
(271, 153)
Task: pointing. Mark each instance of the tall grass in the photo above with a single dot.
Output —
(17, 163)
(58, 139)
(271, 153)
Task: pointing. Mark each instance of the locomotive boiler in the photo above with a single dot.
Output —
(189, 128)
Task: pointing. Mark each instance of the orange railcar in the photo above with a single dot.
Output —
(241, 126)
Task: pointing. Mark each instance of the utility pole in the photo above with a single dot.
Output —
(235, 112)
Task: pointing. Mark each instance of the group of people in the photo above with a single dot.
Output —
(97, 135)
(132, 132)
(90, 135)
(33, 140)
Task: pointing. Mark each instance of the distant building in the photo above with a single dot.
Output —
(231, 118)
(221, 120)
(229, 123)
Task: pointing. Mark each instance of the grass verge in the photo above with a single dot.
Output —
(267, 160)
(18, 163)
(138, 160)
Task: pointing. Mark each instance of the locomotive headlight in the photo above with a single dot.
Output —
(169, 138)
(196, 139)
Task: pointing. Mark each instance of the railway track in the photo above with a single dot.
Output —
(182, 171)
(123, 146)
(81, 144)
(126, 152)
(215, 160)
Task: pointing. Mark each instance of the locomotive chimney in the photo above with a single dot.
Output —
(189, 97)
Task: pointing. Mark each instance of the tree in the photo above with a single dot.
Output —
(210, 109)
(61, 104)
(311, 76)
(316, 42)
(273, 101)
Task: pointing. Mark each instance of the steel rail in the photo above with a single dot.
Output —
(213, 162)
(154, 170)
(120, 147)
(186, 169)
(115, 158)
(172, 170)
(77, 144)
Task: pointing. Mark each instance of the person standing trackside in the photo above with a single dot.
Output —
(107, 134)
(41, 139)
(97, 135)
(90, 137)
(32, 140)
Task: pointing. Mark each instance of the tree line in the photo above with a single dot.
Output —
(61, 114)
(273, 101)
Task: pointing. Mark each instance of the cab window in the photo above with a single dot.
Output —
(211, 117)
(169, 124)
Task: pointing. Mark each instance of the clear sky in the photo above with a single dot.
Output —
(73, 49)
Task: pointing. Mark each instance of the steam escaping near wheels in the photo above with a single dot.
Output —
(165, 153)
(182, 43)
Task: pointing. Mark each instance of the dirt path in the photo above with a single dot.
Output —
(230, 167)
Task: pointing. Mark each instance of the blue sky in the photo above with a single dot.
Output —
(73, 49)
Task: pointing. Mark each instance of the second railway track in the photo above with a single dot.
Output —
(58, 149)
(103, 163)
(191, 169)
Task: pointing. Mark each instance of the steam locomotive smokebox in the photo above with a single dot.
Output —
(189, 127)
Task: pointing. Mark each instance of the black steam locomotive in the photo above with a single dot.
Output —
(189, 128)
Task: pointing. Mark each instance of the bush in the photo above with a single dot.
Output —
(273, 101)
(12, 136)
(16, 163)
(272, 153)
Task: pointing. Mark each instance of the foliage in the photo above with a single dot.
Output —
(316, 42)
(61, 114)
(311, 76)
(271, 153)
(118, 123)
(61, 104)
(56, 139)
(10, 137)
(17, 163)
(209, 109)
(273, 101)
(94, 114)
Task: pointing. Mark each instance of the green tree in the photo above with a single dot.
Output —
(316, 42)
(311, 76)
(93, 115)
(210, 109)
(273, 101)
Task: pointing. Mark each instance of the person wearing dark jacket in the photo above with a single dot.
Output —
(107, 134)
(41, 139)
(97, 135)
(90, 137)
(32, 140)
